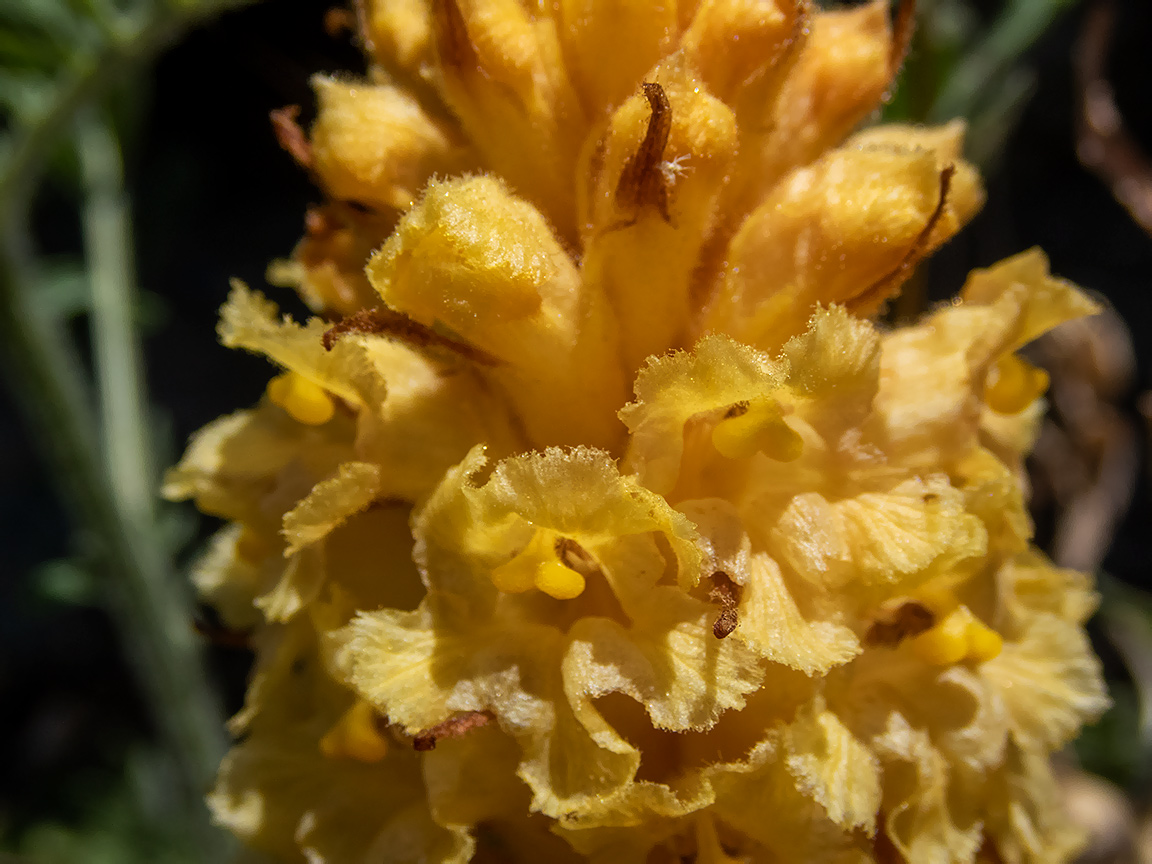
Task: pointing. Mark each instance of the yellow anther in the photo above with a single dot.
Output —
(538, 566)
(558, 581)
(356, 735)
(946, 643)
(1013, 384)
(960, 636)
(306, 401)
(760, 426)
(984, 643)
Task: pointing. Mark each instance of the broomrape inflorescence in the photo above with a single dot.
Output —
(594, 519)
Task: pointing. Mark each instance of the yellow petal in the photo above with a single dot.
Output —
(804, 245)
(330, 503)
(484, 265)
(668, 661)
(610, 45)
(375, 145)
(1050, 682)
(834, 768)
(773, 623)
(656, 176)
(248, 320)
(501, 73)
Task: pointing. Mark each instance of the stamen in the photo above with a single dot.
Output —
(757, 426)
(1013, 384)
(306, 401)
(356, 735)
(726, 593)
(961, 636)
(540, 565)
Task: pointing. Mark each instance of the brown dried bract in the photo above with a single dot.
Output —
(903, 26)
(222, 636)
(290, 136)
(454, 727)
(454, 43)
(402, 328)
(726, 593)
(882, 287)
(642, 183)
(892, 628)
(338, 21)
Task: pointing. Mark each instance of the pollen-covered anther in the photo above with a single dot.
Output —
(538, 566)
(356, 735)
(306, 401)
(757, 426)
(1013, 384)
(959, 637)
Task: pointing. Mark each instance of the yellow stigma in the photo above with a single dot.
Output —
(760, 426)
(537, 566)
(307, 402)
(958, 637)
(356, 735)
(1013, 384)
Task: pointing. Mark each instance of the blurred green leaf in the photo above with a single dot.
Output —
(66, 581)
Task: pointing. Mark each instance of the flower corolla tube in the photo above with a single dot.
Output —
(593, 517)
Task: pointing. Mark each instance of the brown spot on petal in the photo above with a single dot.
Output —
(892, 628)
(402, 328)
(290, 136)
(454, 43)
(726, 593)
(454, 727)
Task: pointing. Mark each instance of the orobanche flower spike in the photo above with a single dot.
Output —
(593, 518)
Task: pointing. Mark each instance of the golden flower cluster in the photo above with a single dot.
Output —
(593, 519)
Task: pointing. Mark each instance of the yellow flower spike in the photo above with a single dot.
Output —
(758, 427)
(356, 735)
(305, 401)
(1013, 384)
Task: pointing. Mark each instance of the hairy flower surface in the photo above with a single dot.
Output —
(593, 518)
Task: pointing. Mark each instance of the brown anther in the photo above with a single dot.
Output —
(402, 328)
(338, 21)
(737, 410)
(893, 627)
(884, 286)
(455, 45)
(290, 136)
(454, 727)
(222, 636)
(903, 25)
(575, 557)
(642, 183)
(726, 593)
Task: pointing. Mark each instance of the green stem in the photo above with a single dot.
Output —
(155, 609)
(111, 503)
(1013, 32)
